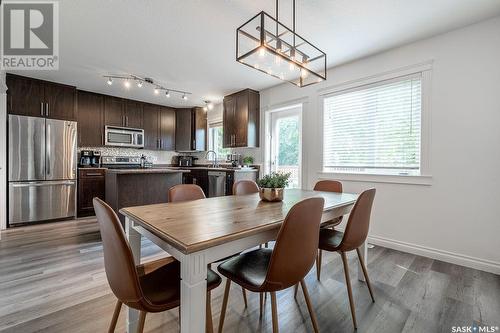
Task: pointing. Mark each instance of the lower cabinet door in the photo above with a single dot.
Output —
(88, 188)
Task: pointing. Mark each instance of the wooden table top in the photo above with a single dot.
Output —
(192, 226)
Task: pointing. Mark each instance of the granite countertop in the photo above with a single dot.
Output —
(144, 171)
(209, 168)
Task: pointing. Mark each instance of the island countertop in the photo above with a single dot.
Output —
(144, 171)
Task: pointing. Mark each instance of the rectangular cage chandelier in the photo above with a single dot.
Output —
(267, 45)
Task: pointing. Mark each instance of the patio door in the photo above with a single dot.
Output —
(286, 143)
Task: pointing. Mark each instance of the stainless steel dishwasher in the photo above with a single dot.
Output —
(216, 184)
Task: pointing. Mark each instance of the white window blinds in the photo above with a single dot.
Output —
(374, 128)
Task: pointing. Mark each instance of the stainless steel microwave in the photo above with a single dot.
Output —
(124, 137)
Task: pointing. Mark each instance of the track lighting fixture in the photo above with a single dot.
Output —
(140, 81)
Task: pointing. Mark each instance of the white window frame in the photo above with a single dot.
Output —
(218, 123)
(425, 177)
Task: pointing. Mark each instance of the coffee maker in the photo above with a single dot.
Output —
(85, 159)
(90, 159)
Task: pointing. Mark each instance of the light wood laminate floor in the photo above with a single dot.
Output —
(52, 280)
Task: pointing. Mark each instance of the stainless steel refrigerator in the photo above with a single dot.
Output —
(42, 169)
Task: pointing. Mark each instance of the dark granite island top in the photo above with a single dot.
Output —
(137, 187)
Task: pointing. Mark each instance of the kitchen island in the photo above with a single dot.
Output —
(137, 187)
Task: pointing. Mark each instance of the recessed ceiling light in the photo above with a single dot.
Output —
(157, 91)
(126, 83)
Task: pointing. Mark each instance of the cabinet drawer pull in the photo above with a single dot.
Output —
(94, 174)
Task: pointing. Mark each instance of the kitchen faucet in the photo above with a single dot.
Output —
(215, 164)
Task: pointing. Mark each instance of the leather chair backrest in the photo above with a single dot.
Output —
(328, 186)
(185, 192)
(296, 245)
(358, 224)
(243, 187)
(118, 259)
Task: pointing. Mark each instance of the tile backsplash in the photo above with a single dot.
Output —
(153, 156)
(165, 157)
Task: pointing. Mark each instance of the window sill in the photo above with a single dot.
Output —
(375, 178)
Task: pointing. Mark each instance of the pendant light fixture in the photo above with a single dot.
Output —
(267, 45)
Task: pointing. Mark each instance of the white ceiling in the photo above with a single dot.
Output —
(190, 44)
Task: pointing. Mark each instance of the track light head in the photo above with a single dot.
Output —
(167, 94)
(184, 97)
(110, 81)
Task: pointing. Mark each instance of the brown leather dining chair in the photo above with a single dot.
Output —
(327, 186)
(272, 270)
(151, 287)
(188, 192)
(351, 239)
(244, 187)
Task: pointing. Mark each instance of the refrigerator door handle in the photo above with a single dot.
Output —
(44, 183)
(41, 109)
(48, 150)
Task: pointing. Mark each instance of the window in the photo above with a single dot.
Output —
(374, 129)
(215, 141)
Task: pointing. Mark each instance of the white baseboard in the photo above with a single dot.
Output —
(454, 258)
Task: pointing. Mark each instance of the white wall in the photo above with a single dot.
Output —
(3, 151)
(457, 217)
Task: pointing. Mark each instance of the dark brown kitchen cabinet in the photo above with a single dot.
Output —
(90, 118)
(60, 101)
(183, 135)
(191, 129)
(167, 128)
(133, 114)
(159, 127)
(197, 177)
(113, 111)
(241, 119)
(37, 98)
(91, 183)
(150, 125)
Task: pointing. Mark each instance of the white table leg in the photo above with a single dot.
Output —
(193, 293)
(134, 239)
(363, 249)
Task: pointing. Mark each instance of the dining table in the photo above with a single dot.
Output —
(204, 231)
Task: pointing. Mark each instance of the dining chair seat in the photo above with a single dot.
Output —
(249, 269)
(161, 287)
(330, 239)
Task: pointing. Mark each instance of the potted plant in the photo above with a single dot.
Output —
(272, 185)
(247, 161)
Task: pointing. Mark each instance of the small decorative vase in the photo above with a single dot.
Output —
(271, 194)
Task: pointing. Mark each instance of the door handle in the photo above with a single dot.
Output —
(47, 109)
(126, 120)
(41, 109)
(48, 150)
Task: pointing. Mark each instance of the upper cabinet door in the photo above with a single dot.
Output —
(167, 128)
(199, 129)
(229, 106)
(150, 126)
(25, 96)
(113, 111)
(60, 102)
(183, 130)
(133, 114)
(241, 121)
(90, 116)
